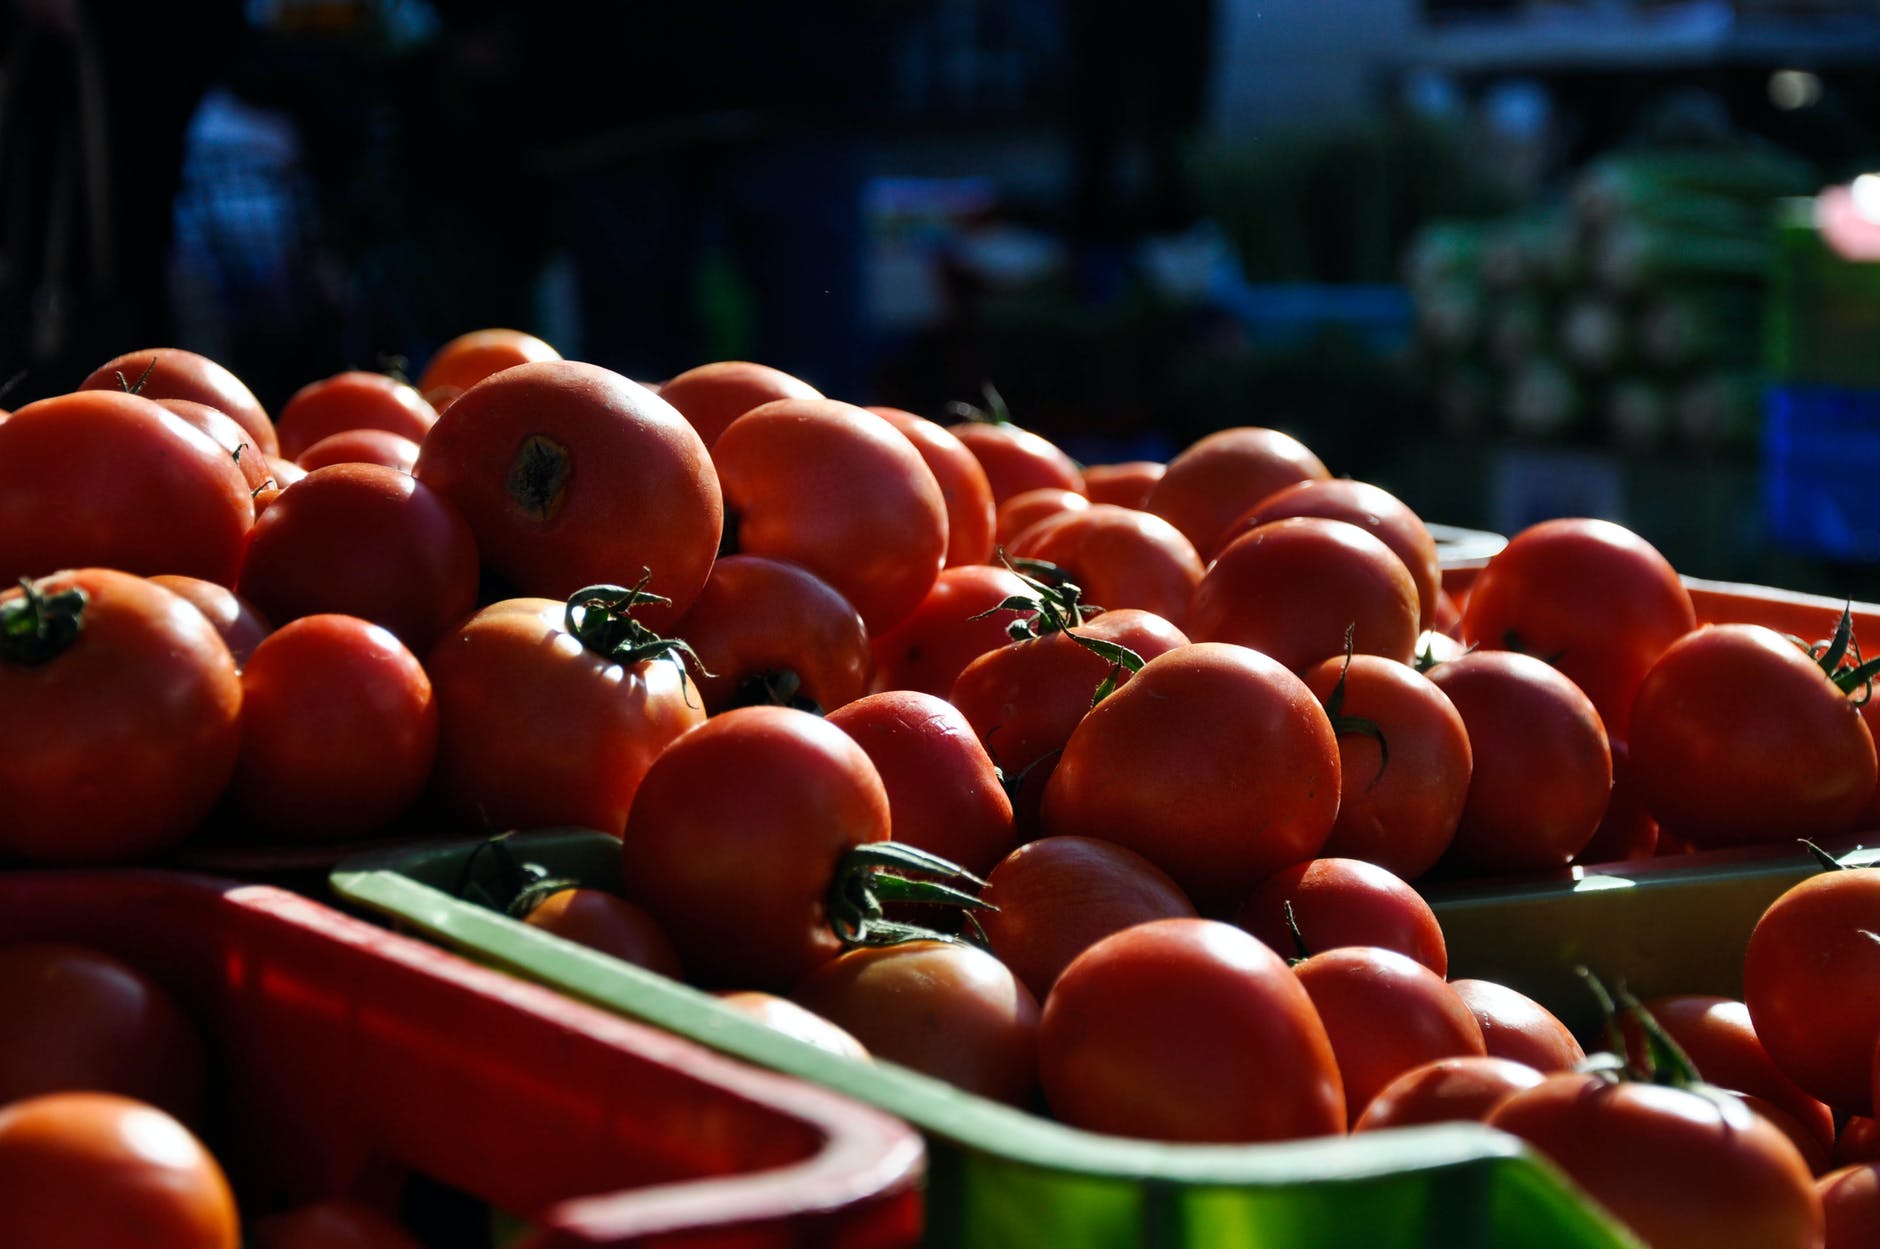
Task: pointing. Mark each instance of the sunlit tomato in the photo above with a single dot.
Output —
(352, 400)
(1303, 588)
(1338, 902)
(242, 627)
(1017, 459)
(1404, 762)
(608, 923)
(1126, 484)
(1541, 768)
(469, 358)
(134, 710)
(173, 373)
(1816, 1151)
(944, 794)
(958, 621)
(1850, 1202)
(228, 434)
(1213, 762)
(108, 1172)
(100, 478)
(361, 446)
(1627, 830)
(281, 474)
(963, 484)
(1738, 736)
(331, 1224)
(1681, 1170)
(570, 475)
(1588, 596)
(735, 837)
(766, 630)
(946, 1009)
(1516, 1027)
(1118, 557)
(536, 730)
(1026, 508)
(1219, 478)
(796, 1021)
(713, 395)
(1187, 1030)
(1058, 896)
(1460, 1089)
(363, 540)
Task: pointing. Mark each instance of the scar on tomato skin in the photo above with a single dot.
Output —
(538, 477)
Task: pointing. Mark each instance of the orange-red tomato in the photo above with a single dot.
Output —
(1339, 902)
(780, 1013)
(173, 373)
(229, 435)
(956, 622)
(352, 400)
(361, 446)
(608, 923)
(1028, 507)
(963, 484)
(1462, 1088)
(766, 630)
(1857, 1141)
(1850, 1203)
(1017, 459)
(332, 1224)
(1516, 1027)
(469, 358)
(1118, 557)
(713, 395)
(1126, 484)
(1218, 479)
(242, 627)
(1627, 830)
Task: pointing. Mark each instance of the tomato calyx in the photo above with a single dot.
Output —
(1840, 658)
(1657, 1060)
(600, 617)
(775, 687)
(492, 876)
(1363, 726)
(37, 627)
(137, 387)
(1053, 604)
(877, 872)
(994, 413)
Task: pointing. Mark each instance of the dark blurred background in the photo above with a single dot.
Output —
(1509, 258)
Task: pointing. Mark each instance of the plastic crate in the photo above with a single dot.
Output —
(1820, 457)
(341, 1053)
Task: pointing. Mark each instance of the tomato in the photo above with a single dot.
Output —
(339, 730)
(352, 400)
(134, 710)
(537, 730)
(363, 540)
(736, 834)
(796, 1021)
(229, 435)
(1816, 1152)
(469, 358)
(1187, 1030)
(1126, 484)
(113, 480)
(1627, 830)
(281, 475)
(1213, 762)
(1588, 596)
(1339, 902)
(1058, 896)
(1218, 479)
(1516, 1027)
(1681, 1170)
(1460, 1089)
(713, 395)
(172, 373)
(234, 617)
(963, 484)
(81, 1019)
(1402, 788)
(1028, 507)
(1857, 1141)
(570, 475)
(1118, 557)
(837, 489)
(608, 923)
(1542, 769)
(1738, 736)
(1850, 1202)
(765, 630)
(1304, 588)
(361, 446)
(108, 1172)
(956, 622)
(1016, 459)
(944, 794)
(943, 1008)
(331, 1224)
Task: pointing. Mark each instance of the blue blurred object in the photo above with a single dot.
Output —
(1821, 458)
(1378, 314)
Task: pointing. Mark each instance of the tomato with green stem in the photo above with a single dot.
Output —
(961, 618)
(766, 630)
(175, 373)
(1118, 557)
(1015, 459)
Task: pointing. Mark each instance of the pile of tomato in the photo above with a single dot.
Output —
(1096, 789)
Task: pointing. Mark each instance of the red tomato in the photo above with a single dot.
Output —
(1460, 1089)
(1542, 770)
(332, 1224)
(1850, 1203)
(352, 400)
(963, 484)
(1681, 1170)
(108, 1172)
(1857, 1141)
(1339, 902)
(281, 475)
(1058, 896)
(134, 706)
(363, 540)
(713, 395)
(945, 1009)
(113, 480)
(1588, 596)
(792, 1020)
(1126, 484)
(1302, 589)
(1217, 480)
(1516, 1027)
(954, 624)
(570, 475)
(1402, 788)
(469, 358)
(1187, 1030)
(1028, 507)
(1016, 459)
(608, 923)
(234, 617)
(172, 373)
(229, 435)
(1627, 831)
(837, 489)
(736, 835)
(1213, 762)
(1118, 557)
(944, 795)
(536, 730)
(361, 446)
(766, 630)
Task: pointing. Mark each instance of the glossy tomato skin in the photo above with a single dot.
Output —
(608, 923)
(779, 1012)
(1462, 1088)
(963, 484)
(352, 400)
(1850, 1202)
(736, 834)
(571, 475)
(229, 435)
(1588, 596)
(1516, 1027)
(1344, 902)
(534, 730)
(760, 626)
(100, 478)
(1126, 483)
(469, 358)
(1221, 476)
(1016, 459)
(1682, 1170)
(957, 621)
(108, 1172)
(1029, 507)
(173, 373)
(1187, 1030)
(714, 394)
(241, 625)
(361, 446)
(1118, 557)
(1739, 737)
(135, 727)
(1213, 762)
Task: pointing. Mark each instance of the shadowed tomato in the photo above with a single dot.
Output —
(1516, 1027)
(1338, 902)
(792, 1020)
(1222, 476)
(766, 630)
(1016, 459)
(1460, 1089)
(1126, 484)
(352, 400)
(1028, 507)
(1850, 1202)
(332, 1224)
(1119, 557)
(608, 923)
(1627, 831)
(173, 373)
(469, 358)
(361, 446)
(1857, 1141)
(713, 395)
(281, 474)
(963, 484)
(955, 623)
(234, 617)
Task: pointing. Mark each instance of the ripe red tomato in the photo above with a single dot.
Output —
(1516, 1027)
(608, 923)
(229, 435)
(1187, 1030)
(955, 623)
(352, 400)
(1028, 507)
(1213, 762)
(172, 373)
(943, 1008)
(108, 1172)
(1016, 459)
(361, 446)
(1218, 479)
(469, 358)
(1339, 902)
(1463, 1088)
(1118, 557)
(713, 395)
(963, 484)
(1627, 830)
(1850, 1203)
(1857, 1141)
(234, 617)
(281, 474)
(570, 475)
(766, 630)
(330, 1224)
(792, 1020)
(135, 708)
(1126, 484)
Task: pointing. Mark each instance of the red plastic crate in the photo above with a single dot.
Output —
(342, 1053)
